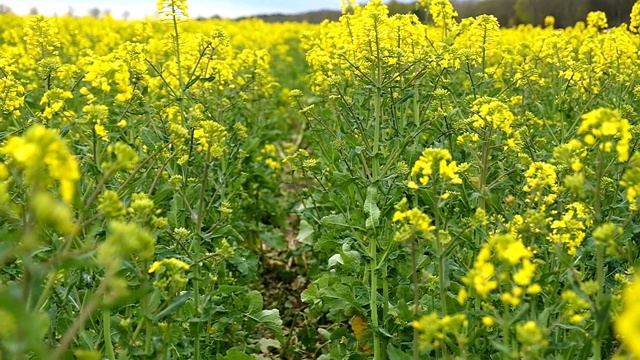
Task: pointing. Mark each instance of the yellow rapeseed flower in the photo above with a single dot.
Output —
(39, 149)
(488, 321)
(173, 8)
(608, 127)
(424, 166)
(627, 324)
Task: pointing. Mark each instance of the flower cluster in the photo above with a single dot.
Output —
(173, 9)
(631, 180)
(123, 241)
(635, 17)
(416, 219)
(515, 259)
(569, 230)
(211, 137)
(492, 112)
(429, 161)
(170, 274)
(441, 11)
(628, 321)
(541, 183)
(12, 96)
(608, 129)
(41, 37)
(434, 329)
(41, 150)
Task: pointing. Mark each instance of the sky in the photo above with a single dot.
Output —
(138, 9)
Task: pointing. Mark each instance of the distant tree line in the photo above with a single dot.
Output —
(566, 12)
(508, 12)
(312, 17)
(94, 12)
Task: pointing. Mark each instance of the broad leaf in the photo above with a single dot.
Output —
(396, 354)
(173, 307)
(371, 208)
(271, 320)
(305, 233)
(334, 220)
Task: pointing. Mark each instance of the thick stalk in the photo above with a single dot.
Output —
(196, 254)
(373, 242)
(377, 104)
(482, 183)
(416, 298)
(441, 274)
(506, 333)
(385, 305)
(597, 342)
(106, 329)
(484, 171)
(442, 263)
(373, 301)
(177, 42)
(416, 106)
(82, 318)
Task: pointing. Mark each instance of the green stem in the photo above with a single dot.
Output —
(373, 301)
(148, 334)
(146, 310)
(597, 341)
(442, 263)
(46, 292)
(83, 317)
(484, 173)
(196, 254)
(598, 202)
(442, 273)
(106, 326)
(385, 297)
(177, 42)
(416, 298)
(373, 242)
(377, 104)
(506, 341)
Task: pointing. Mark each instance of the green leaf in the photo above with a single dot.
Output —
(207, 79)
(273, 239)
(266, 344)
(220, 232)
(254, 301)
(502, 348)
(305, 233)
(227, 289)
(519, 314)
(334, 220)
(342, 292)
(65, 129)
(191, 82)
(245, 261)
(235, 355)
(32, 325)
(603, 316)
(396, 354)
(173, 307)
(310, 295)
(271, 320)
(176, 208)
(371, 208)
(408, 95)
